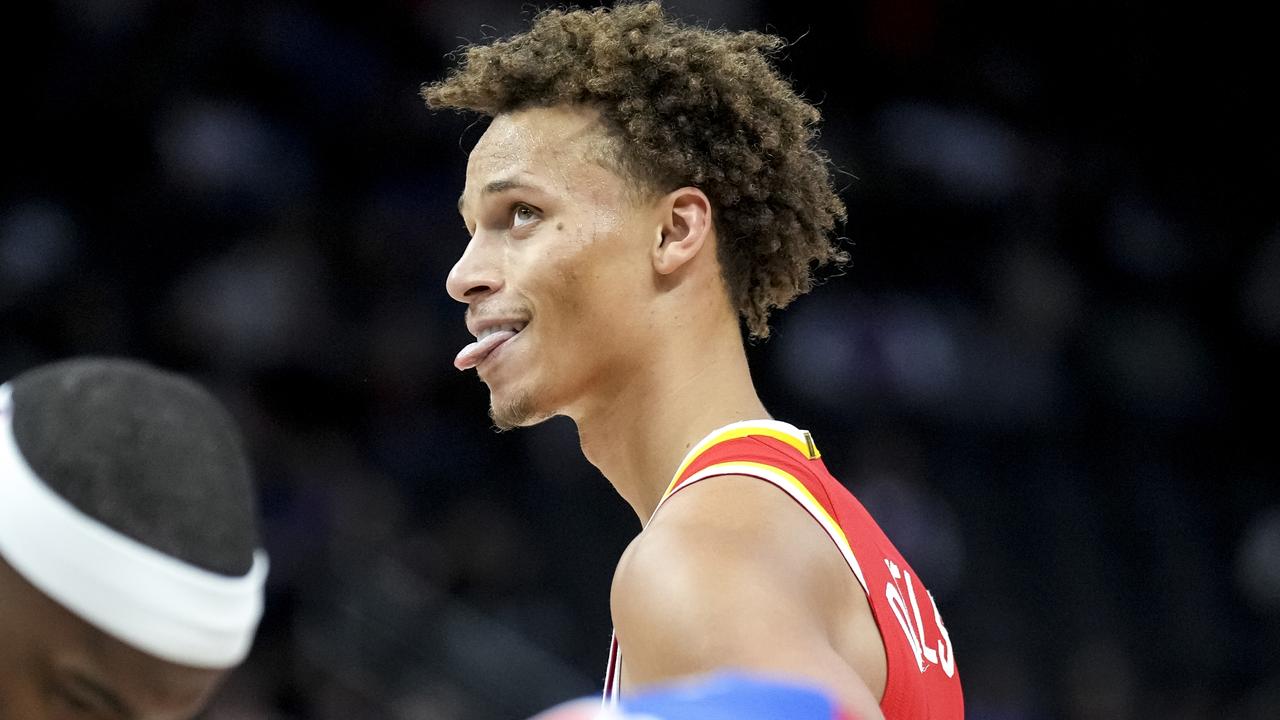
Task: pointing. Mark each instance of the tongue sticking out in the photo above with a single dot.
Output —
(473, 354)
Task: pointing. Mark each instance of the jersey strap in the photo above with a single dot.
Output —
(613, 675)
(775, 464)
(785, 445)
(783, 432)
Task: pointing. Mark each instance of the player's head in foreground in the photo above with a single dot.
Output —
(726, 696)
(644, 188)
(130, 575)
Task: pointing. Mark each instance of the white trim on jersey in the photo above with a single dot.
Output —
(613, 689)
(778, 426)
(806, 501)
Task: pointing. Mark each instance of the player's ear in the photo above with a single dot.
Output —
(686, 227)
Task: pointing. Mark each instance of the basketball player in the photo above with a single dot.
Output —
(643, 189)
(130, 580)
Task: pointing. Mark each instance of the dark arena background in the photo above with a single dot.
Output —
(1050, 370)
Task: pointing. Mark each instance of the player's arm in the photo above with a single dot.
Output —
(725, 578)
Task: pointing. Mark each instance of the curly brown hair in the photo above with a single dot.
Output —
(690, 106)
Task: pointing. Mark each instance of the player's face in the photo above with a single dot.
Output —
(55, 666)
(559, 254)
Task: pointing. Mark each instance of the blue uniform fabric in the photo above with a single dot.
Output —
(730, 697)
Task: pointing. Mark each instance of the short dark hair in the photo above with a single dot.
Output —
(146, 452)
(690, 106)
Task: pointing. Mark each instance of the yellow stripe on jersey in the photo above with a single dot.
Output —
(789, 484)
(794, 483)
(804, 445)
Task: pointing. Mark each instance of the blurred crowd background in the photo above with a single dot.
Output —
(1050, 370)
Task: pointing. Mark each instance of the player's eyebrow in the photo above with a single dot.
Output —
(499, 186)
(108, 697)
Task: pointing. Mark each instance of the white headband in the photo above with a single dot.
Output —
(139, 595)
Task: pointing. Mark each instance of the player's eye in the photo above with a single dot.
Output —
(522, 215)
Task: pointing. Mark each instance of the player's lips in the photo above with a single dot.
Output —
(490, 334)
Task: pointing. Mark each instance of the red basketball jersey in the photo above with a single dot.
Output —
(922, 680)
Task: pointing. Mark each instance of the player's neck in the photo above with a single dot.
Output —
(638, 435)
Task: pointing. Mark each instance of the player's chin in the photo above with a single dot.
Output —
(514, 409)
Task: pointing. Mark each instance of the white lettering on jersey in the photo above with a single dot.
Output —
(913, 627)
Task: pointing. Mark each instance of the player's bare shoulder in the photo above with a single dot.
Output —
(733, 573)
(725, 532)
(717, 522)
(729, 520)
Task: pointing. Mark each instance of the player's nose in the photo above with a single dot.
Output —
(477, 273)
